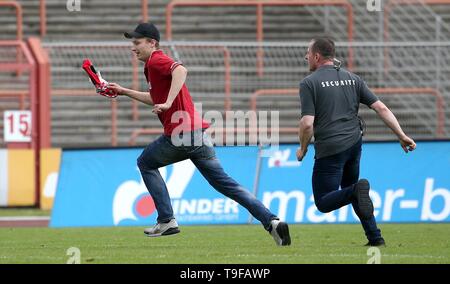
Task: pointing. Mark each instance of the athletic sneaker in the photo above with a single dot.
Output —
(365, 204)
(376, 243)
(163, 229)
(280, 233)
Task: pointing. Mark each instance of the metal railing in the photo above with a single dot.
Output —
(43, 15)
(31, 93)
(224, 131)
(222, 72)
(439, 101)
(19, 18)
(19, 25)
(15, 94)
(259, 18)
(87, 49)
(26, 65)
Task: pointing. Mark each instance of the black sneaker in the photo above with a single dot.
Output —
(376, 243)
(365, 204)
(280, 233)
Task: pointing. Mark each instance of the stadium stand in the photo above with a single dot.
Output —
(414, 53)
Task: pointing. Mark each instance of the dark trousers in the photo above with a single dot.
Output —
(340, 170)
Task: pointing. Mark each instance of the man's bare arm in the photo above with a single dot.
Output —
(391, 121)
(305, 134)
(143, 97)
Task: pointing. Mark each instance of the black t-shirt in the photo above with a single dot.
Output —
(333, 98)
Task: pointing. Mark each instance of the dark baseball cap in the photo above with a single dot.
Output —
(144, 30)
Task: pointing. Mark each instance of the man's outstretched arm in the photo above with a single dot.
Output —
(305, 134)
(143, 97)
(391, 121)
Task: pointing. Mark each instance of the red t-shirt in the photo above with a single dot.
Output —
(158, 72)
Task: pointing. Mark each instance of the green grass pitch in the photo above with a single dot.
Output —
(247, 244)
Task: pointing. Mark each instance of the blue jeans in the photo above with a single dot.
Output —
(163, 152)
(342, 170)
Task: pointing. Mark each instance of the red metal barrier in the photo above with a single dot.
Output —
(43, 85)
(144, 9)
(43, 15)
(30, 67)
(91, 92)
(259, 14)
(295, 92)
(84, 92)
(270, 92)
(135, 86)
(427, 91)
(401, 91)
(19, 95)
(142, 131)
(19, 25)
(148, 131)
(19, 20)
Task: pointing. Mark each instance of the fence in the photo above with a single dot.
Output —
(259, 18)
(411, 123)
(17, 92)
(224, 75)
(43, 15)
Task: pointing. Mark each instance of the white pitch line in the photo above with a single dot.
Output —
(25, 218)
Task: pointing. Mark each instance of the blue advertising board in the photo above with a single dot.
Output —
(411, 187)
(105, 188)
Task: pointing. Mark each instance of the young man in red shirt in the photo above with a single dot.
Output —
(171, 101)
